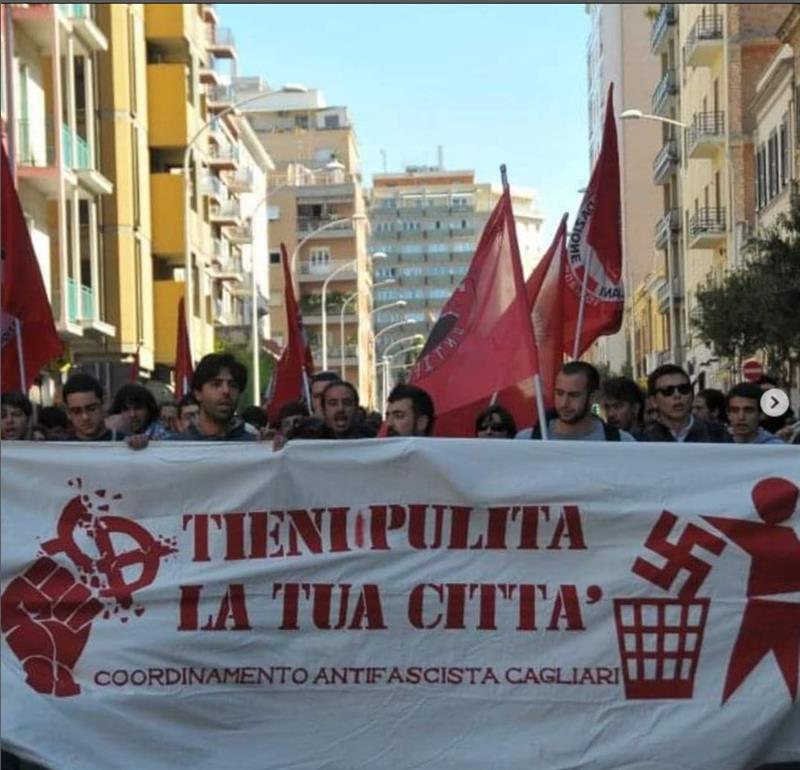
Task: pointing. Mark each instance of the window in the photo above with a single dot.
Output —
(273, 213)
(784, 151)
(319, 257)
(274, 258)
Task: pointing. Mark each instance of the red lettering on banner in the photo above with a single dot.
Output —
(331, 606)
(232, 609)
(566, 608)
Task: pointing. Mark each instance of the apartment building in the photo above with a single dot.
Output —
(618, 51)
(49, 102)
(713, 57)
(427, 221)
(316, 209)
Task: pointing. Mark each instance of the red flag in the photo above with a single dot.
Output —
(483, 341)
(288, 376)
(29, 336)
(596, 239)
(545, 289)
(184, 368)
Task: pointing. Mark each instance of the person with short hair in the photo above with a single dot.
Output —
(188, 412)
(83, 399)
(255, 416)
(317, 385)
(340, 411)
(671, 388)
(217, 385)
(55, 422)
(15, 416)
(138, 410)
(309, 428)
(291, 413)
(168, 416)
(744, 415)
(495, 422)
(709, 405)
(622, 402)
(409, 412)
(575, 386)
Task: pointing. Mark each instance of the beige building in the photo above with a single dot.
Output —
(427, 222)
(618, 52)
(49, 112)
(713, 57)
(316, 208)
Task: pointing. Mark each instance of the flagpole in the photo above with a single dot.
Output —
(20, 357)
(537, 381)
(307, 390)
(576, 345)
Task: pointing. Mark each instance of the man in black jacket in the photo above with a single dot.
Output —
(672, 390)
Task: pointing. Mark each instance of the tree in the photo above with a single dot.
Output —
(756, 308)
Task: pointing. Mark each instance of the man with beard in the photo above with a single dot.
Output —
(576, 383)
(410, 411)
(672, 390)
(339, 403)
(217, 384)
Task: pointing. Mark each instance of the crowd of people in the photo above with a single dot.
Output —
(584, 409)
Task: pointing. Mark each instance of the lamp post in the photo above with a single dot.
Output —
(187, 155)
(351, 263)
(313, 233)
(347, 301)
(386, 357)
(385, 329)
(673, 327)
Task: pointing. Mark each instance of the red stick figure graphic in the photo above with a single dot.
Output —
(47, 616)
(768, 625)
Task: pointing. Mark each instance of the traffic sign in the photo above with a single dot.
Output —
(752, 369)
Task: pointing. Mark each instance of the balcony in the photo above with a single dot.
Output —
(667, 227)
(706, 134)
(240, 181)
(219, 41)
(240, 234)
(208, 76)
(666, 162)
(219, 98)
(211, 187)
(668, 291)
(659, 33)
(210, 13)
(35, 20)
(220, 251)
(167, 205)
(223, 157)
(82, 17)
(307, 227)
(704, 42)
(225, 213)
(663, 94)
(319, 271)
(166, 103)
(707, 228)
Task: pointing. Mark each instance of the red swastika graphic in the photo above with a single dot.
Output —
(678, 555)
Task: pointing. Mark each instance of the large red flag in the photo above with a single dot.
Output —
(483, 342)
(29, 336)
(545, 289)
(596, 240)
(288, 379)
(184, 368)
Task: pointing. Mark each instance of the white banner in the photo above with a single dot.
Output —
(401, 603)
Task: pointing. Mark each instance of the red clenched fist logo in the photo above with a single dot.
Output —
(47, 616)
(47, 611)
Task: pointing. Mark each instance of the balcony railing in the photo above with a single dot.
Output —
(666, 162)
(707, 224)
(668, 225)
(241, 180)
(701, 43)
(310, 224)
(240, 234)
(666, 87)
(323, 269)
(80, 301)
(705, 133)
(226, 153)
(667, 16)
(227, 210)
(76, 10)
(211, 186)
(219, 36)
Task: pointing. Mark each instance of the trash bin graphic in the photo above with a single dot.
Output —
(659, 645)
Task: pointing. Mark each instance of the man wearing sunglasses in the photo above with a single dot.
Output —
(671, 388)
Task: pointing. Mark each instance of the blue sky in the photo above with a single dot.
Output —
(492, 84)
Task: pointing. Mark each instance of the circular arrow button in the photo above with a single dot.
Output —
(774, 402)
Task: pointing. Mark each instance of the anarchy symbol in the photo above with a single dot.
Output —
(111, 563)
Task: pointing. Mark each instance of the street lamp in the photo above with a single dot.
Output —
(347, 301)
(353, 263)
(187, 156)
(639, 115)
(326, 226)
(419, 337)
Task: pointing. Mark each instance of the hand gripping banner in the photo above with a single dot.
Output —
(401, 603)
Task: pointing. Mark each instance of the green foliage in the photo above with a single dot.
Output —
(756, 308)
